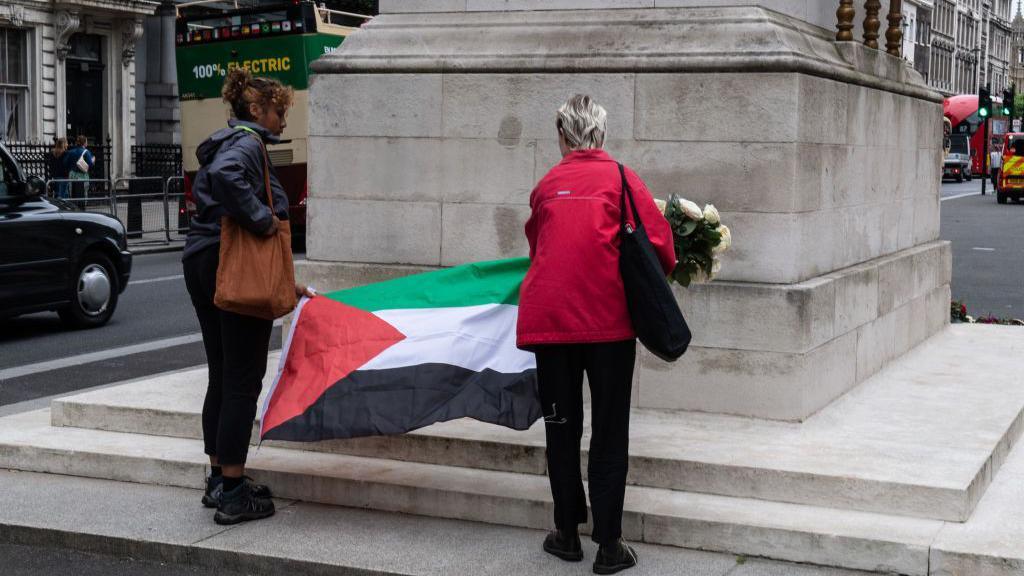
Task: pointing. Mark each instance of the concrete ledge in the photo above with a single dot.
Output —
(759, 349)
(781, 531)
(785, 318)
(703, 39)
(893, 445)
(101, 517)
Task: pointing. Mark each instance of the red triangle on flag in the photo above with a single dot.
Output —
(330, 341)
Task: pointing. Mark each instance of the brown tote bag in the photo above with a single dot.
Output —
(256, 276)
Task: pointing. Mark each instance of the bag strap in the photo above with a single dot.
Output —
(266, 164)
(627, 192)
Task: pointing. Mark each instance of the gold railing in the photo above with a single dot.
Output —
(846, 13)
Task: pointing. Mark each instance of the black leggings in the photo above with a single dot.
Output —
(236, 352)
(609, 369)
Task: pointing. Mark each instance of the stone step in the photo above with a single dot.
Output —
(790, 532)
(907, 442)
(53, 514)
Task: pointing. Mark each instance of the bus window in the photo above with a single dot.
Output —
(1018, 147)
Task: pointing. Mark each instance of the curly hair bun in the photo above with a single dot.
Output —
(237, 81)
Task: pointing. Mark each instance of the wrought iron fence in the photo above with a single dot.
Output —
(37, 159)
(162, 160)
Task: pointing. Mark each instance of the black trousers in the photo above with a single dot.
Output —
(236, 352)
(609, 369)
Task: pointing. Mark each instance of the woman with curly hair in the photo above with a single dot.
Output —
(231, 184)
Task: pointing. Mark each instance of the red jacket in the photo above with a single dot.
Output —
(573, 292)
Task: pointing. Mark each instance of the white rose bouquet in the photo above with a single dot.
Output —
(700, 239)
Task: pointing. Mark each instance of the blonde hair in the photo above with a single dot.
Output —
(582, 122)
(241, 89)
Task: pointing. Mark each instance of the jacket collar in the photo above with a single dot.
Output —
(260, 130)
(589, 155)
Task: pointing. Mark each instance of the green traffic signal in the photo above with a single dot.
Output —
(983, 112)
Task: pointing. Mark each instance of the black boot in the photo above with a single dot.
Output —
(614, 558)
(564, 544)
(241, 505)
(215, 487)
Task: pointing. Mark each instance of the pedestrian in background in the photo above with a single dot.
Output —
(230, 183)
(78, 161)
(995, 161)
(573, 315)
(57, 169)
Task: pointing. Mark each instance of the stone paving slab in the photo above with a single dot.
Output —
(63, 512)
(791, 532)
(992, 542)
(909, 441)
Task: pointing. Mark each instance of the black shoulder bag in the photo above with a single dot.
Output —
(657, 320)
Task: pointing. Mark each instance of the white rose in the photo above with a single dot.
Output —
(716, 267)
(726, 241)
(711, 214)
(692, 211)
(699, 277)
(661, 204)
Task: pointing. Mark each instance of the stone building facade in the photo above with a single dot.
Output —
(1017, 50)
(969, 45)
(68, 68)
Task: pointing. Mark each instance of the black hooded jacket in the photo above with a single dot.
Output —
(230, 183)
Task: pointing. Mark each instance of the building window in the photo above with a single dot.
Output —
(13, 84)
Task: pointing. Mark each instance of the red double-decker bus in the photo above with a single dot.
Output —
(962, 112)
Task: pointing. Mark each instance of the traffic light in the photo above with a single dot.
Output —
(984, 102)
(1007, 107)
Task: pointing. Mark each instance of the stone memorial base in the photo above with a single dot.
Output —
(428, 131)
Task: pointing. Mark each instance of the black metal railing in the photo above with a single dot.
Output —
(37, 159)
(162, 160)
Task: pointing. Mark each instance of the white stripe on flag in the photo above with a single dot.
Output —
(471, 337)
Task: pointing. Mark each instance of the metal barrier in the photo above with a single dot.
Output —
(140, 202)
(144, 204)
(81, 192)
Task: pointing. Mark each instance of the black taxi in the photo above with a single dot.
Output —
(54, 256)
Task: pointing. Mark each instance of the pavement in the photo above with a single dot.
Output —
(21, 560)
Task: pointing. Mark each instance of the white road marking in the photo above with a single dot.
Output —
(80, 359)
(160, 279)
(960, 196)
(979, 249)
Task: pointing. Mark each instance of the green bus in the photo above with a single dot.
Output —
(278, 41)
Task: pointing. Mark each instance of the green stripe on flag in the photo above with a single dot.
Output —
(494, 282)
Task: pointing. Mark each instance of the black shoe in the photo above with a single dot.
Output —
(215, 487)
(242, 505)
(614, 558)
(564, 545)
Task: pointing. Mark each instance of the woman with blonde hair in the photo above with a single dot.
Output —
(231, 184)
(57, 170)
(573, 316)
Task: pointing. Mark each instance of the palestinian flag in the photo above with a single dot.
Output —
(395, 356)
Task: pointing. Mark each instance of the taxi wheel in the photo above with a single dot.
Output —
(93, 294)
(1000, 198)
